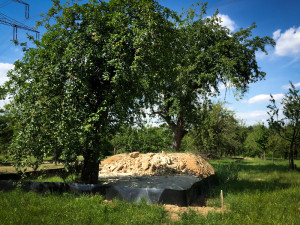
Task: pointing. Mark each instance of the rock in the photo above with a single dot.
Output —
(120, 168)
(134, 154)
(138, 165)
(145, 165)
(182, 165)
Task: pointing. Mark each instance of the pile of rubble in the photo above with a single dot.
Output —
(155, 164)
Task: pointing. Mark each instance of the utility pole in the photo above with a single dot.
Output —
(6, 20)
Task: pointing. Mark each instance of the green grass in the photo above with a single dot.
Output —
(255, 192)
(31, 208)
(263, 194)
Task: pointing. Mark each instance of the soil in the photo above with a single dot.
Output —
(175, 212)
(155, 164)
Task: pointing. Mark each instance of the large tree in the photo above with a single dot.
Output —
(287, 126)
(201, 55)
(83, 79)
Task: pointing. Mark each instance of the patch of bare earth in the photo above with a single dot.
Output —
(45, 166)
(174, 212)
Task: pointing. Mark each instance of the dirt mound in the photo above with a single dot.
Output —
(158, 164)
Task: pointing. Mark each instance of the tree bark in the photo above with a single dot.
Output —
(179, 133)
(90, 170)
(291, 156)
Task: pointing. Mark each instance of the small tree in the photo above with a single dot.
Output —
(261, 138)
(277, 145)
(287, 127)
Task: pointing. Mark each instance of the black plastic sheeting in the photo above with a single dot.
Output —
(180, 197)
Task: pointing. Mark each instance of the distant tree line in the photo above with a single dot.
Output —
(220, 134)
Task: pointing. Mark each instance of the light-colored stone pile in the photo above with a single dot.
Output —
(158, 164)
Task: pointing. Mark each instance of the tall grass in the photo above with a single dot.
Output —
(17, 207)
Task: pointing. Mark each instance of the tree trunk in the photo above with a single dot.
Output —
(90, 170)
(179, 133)
(177, 140)
(285, 155)
(291, 156)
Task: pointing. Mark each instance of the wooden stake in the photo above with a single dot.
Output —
(222, 201)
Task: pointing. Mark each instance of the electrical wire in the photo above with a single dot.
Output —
(6, 20)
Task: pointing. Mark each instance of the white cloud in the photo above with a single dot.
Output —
(264, 98)
(253, 117)
(4, 68)
(227, 22)
(276, 34)
(252, 114)
(260, 55)
(288, 42)
(287, 86)
(257, 116)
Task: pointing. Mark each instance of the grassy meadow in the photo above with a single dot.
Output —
(255, 192)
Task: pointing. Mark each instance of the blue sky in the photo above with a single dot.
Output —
(275, 18)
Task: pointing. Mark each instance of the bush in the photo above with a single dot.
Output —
(226, 172)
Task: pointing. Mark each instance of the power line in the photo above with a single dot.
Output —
(6, 20)
(26, 7)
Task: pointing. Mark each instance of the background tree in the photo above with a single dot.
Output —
(204, 55)
(251, 147)
(277, 146)
(287, 127)
(142, 139)
(257, 141)
(261, 138)
(71, 92)
(6, 131)
(219, 132)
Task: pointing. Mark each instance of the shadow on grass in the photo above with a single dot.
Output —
(264, 168)
(279, 165)
(249, 186)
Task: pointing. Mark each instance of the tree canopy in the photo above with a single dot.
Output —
(202, 55)
(82, 80)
